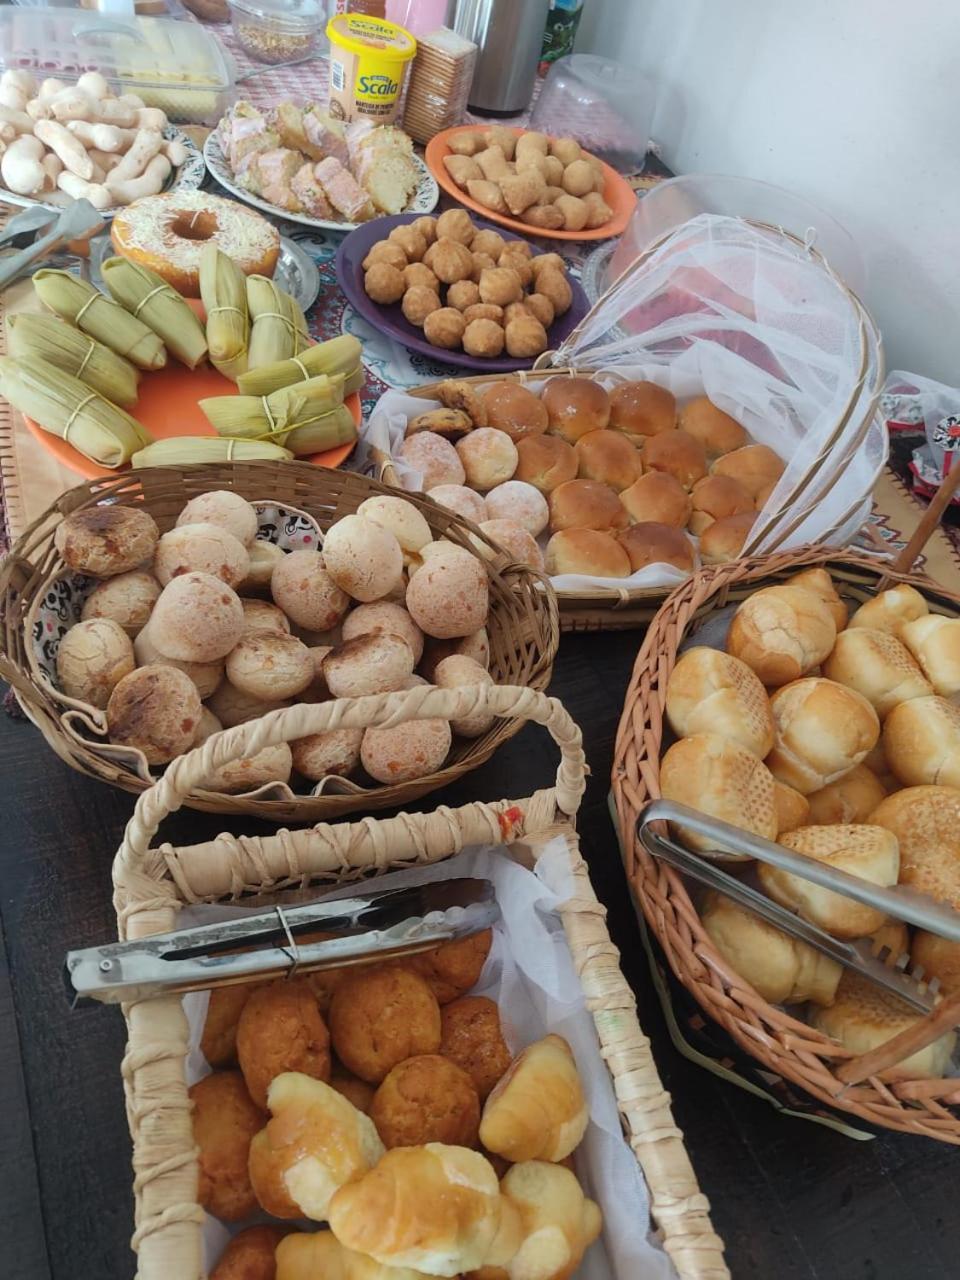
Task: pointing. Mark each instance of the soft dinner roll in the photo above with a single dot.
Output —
(488, 457)
(821, 584)
(892, 934)
(782, 633)
(537, 1110)
(872, 853)
(876, 762)
(783, 970)
(714, 497)
(935, 643)
(588, 551)
(864, 1016)
(711, 692)
(792, 808)
(821, 731)
(657, 497)
(926, 822)
(940, 959)
(889, 610)
(877, 665)
(608, 457)
(723, 780)
(585, 504)
(755, 466)
(520, 502)
(921, 740)
(651, 543)
(851, 798)
(641, 409)
(678, 454)
(545, 462)
(723, 540)
(575, 406)
(716, 430)
(557, 1223)
(515, 410)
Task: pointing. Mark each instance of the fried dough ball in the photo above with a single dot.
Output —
(467, 143)
(578, 178)
(516, 311)
(486, 192)
(575, 212)
(540, 306)
(410, 241)
(384, 284)
(387, 251)
(544, 261)
(456, 224)
(427, 226)
(500, 285)
(598, 211)
(481, 262)
(533, 140)
(489, 241)
(525, 337)
(483, 338)
(493, 163)
(463, 294)
(380, 1017)
(418, 274)
(451, 260)
(218, 1043)
(555, 285)
(513, 257)
(250, 1255)
(418, 303)
(521, 190)
(225, 1120)
(444, 328)
(281, 1030)
(566, 150)
(546, 215)
(483, 311)
(426, 1099)
(451, 969)
(471, 1036)
(502, 136)
(355, 1090)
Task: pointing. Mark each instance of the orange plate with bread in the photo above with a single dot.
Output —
(617, 192)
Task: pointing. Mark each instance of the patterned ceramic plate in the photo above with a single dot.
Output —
(186, 177)
(424, 198)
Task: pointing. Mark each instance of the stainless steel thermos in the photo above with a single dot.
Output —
(509, 34)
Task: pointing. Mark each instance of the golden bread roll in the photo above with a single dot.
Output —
(642, 409)
(609, 457)
(575, 406)
(892, 934)
(783, 969)
(545, 462)
(471, 1037)
(281, 1029)
(658, 498)
(319, 1255)
(218, 1043)
(454, 967)
(821, 584)
(723, 780)
(426, 1099)
(225, 1119)
(921, 740)
(934, 642)
(587, 551)
(865, 1016)
(793, 809)
(926, 822)
(711, 692)
(556, 1221)
(585, 504)
(716, 430)
(379, 1017)
(755, 466)
(876, 664)
(723, 539)
(435, 1208)
(537, 1110)
(851, 798)
(821, 730)
(651, 543)
(876, 762)
(715, 497)
(515, 410)
(250, 1255)
(782, 633)
(314, 1143)
(940, 959)
(488, 457)
(891, 609)
(870, 852)
(678, 454)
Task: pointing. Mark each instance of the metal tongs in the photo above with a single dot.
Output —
(282, 941)
(79, 221)
(900, 901)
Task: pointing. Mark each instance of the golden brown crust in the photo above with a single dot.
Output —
(106, 540)
(218, 1043)
(426, 1098)
(652, 543)
(458, 394)
(225, 1119)
(377, 1019)
(250, 1255)
(642, 409)
(471, 1036)
(281, 1029)
(451, 969)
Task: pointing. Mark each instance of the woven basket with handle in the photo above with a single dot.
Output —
(151, 884)
(522, 623)
(781, 1043)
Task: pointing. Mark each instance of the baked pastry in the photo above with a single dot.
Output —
(921, 740)
(435, 458)
(521, 502)
(225, 1120)
(517, 541)
(586, 551)
(889, 610)
(270, 665)
(511, 408)
(782, 633)
(197, 618)
(383, 616)
(851, 798)
(555, 1222)
(934, 642)
(723, 780)
(456, 393)
(877, 665)
(537, 1111)
(218, 1042)
(364, 557)
(471, 1036)
(821, 584)
(574, 405)
(106, 540)
(417, 302)
(444, 328)
(641, 409)
(658, 498)
(156, 710)
(456, 224)
(585, 504)
(926, 823)
(457, 670)
(677, 453)
(356, 1091)
(755, 466)
(379, 1017)
(651, 543)
(260, 615)
(488, 458)
(384, 284)
(250, 1255)
(225, 508)
(301, 586)
(315, 1142)
(715, 497)
(723, 539)
(93, 658)
(822, 730)
(483, 338)
(462, 295)
(716, 430)
(870, 852)
(545, 461)
(377, 662)
(940, 959)
(127, 599)
(793, 809)
(782, 969)
(335, 753)
(405, 521)
(609, 458)
(264, 558)
(280, 1029)
(453, 968)
(387, 251)
(711, 692)
(319, 1255)
(449, 594)
(426, 1098)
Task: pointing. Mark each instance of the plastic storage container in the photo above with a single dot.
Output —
(277, 30)
(177, 66)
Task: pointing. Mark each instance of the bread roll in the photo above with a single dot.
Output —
(520, 502)
(608, 457)
(585, 504)
(716, 430)
(921, 740)
(107, 539)
(781, 632)
(249, 1255)
(280, 1030)
(489, 457)
(782, 969)
(889, 610)
(851, 798)
(156, 710)
(511, 537)
(557, 1223)
(224, 1121)
(659, 498)
(926, 822)
(586, 551)
(821, 584)
(940, 959)
(575, 406)
(514, 409)
(793, 809)
(755, 466)
(870, 852)
(821, 731)
(678, 454)
(934, 642)
(865, 1016)
(714, 497)
(877, 665)
(545, 462)
(426, 1098)
(892, 934)
(711, 692)
(642, 409)
(723, 780)
(723, 540)
(538, 1110)
(652, 543)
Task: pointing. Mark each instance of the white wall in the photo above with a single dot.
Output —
(852, 103)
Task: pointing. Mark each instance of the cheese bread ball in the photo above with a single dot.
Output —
(335, 753)
(201, 548)
(154, 710)
(460, 500)
(207, 676)
(380, 1017)
(363, 558)
(226, 509)
(406, 751)
(107, 540)
(306, 592)
(517, 541)
(376, 662)
(127, 598)
(449, 595)
(197, 618)
(383, 616)
(92, 659)
(434, 458)
(270, 665)
(264, 557)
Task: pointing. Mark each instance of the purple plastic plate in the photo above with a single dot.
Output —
(390, 320)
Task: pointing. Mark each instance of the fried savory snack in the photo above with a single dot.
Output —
(281, 1030)
(225, 1120)
(426, 1099)
(380, 1017)
(471, 1036)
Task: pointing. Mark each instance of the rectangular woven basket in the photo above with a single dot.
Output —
(151, 884)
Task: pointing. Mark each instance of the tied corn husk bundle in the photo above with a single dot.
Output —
(330, 430)
(60, 344)
(299, 322)
(101, 317)
(149, 298)
(338, 355)
(68, 408)
(311, 414)
(275, 332)
(181, 451)
(223, 288)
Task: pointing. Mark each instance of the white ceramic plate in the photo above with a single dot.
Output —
(424, 199)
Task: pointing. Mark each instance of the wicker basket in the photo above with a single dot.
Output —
(522, 625)
(781, 1043)
(151, 885)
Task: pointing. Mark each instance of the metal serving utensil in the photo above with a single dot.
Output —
(78, 221)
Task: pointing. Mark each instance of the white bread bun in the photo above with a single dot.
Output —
(557, 1222)
(722, 779)
(921, 739)
(793, 809)
(864, 1016)
(935, 643)
(870, 852)
(715, 498)
(711, 692)
(821, 584)
(926, 822)
(782, 969)
(889, 610)
(723, 539)
(537, 1110)
(589, 551)
(821, 731)
(781, 632)
(851, 798)
(877, 665)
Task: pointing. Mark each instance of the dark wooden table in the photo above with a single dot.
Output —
(792, 1199)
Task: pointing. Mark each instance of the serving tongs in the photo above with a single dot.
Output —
(322, 934)
(79, 221)
(900, 901)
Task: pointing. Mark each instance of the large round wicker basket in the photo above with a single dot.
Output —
(780, 1042)
(522, 622)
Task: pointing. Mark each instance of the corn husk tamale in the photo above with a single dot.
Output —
(273, 417)
(151, 299)
(223, 288)
(299, 322)
(181, 451)
(68, 408)
(274, 334)
(330, 430)
(60, 344)
(338, 355)
(101, 317)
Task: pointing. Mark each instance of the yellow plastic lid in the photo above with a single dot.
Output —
(359, 33)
